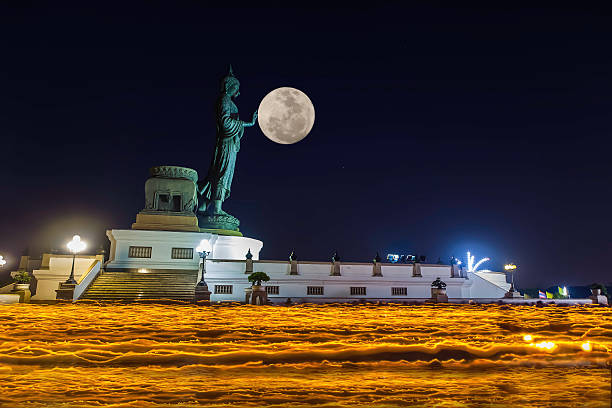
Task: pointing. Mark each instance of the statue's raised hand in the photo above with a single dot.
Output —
(252, 122)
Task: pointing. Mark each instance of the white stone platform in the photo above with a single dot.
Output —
(161, 244)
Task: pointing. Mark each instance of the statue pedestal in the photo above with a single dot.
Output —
(219, 224)
(145, 249)
(165, 221)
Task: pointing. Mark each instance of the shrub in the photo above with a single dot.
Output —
(438, 284)
(22, 277)
(257, 277)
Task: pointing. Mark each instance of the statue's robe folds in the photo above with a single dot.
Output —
(218, 182)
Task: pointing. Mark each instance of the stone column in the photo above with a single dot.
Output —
(416, 270)
(455, 272)
(335, 266)
(335, 269)
(293, 268)
(248, 269)
(376, 269)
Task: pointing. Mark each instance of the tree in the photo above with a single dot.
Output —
(257, 277)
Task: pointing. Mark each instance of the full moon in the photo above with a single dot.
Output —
(286, 115)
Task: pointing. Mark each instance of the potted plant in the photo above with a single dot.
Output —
(22, 280)
(256, 278)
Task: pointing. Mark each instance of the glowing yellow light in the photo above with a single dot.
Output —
(142, 349)
(76, 245)
(204, 246)
(548, 345)
(528, 337)
(143, 270)
(587, 346)
(509, 267)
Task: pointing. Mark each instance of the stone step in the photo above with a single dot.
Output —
(133, 286)
(146, 280)
(191, 282)
(167, 278)
(132, 299)
(144, 275)
(151, 284)
(156, 278)
(141, 289)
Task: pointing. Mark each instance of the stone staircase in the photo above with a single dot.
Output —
(152, 285)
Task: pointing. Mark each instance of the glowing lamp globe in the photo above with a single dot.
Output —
(76, 245)
(2, 261)
(204, 247)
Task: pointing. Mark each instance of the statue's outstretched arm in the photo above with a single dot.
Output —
(252, 122)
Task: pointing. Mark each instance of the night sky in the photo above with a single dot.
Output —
(439, 129)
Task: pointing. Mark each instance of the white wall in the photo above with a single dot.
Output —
(482, 288)
(226, 266)
(336, 288)
(162, 242)
(56, 269)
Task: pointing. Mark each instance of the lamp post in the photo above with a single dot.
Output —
(202, 294)
(510, 268)
(75, 246)
(204, 250)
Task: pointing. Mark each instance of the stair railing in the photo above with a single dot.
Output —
(86, 279)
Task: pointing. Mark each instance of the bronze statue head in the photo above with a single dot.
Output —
(230, 84)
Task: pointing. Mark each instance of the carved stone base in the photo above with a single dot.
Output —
(218, 223)
(259, 296)
(440, 299)
(65, 291)
(202, 294)
(165, 221)
(24, 294)
(599, 299)
(439, 295)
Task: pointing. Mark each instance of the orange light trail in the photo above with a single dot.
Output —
(152, 355)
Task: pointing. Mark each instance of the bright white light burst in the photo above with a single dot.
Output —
(471, 267)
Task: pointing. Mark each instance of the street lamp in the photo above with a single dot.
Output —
(204, 250)
(75, 246)
(510, 268)
(2, 261)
